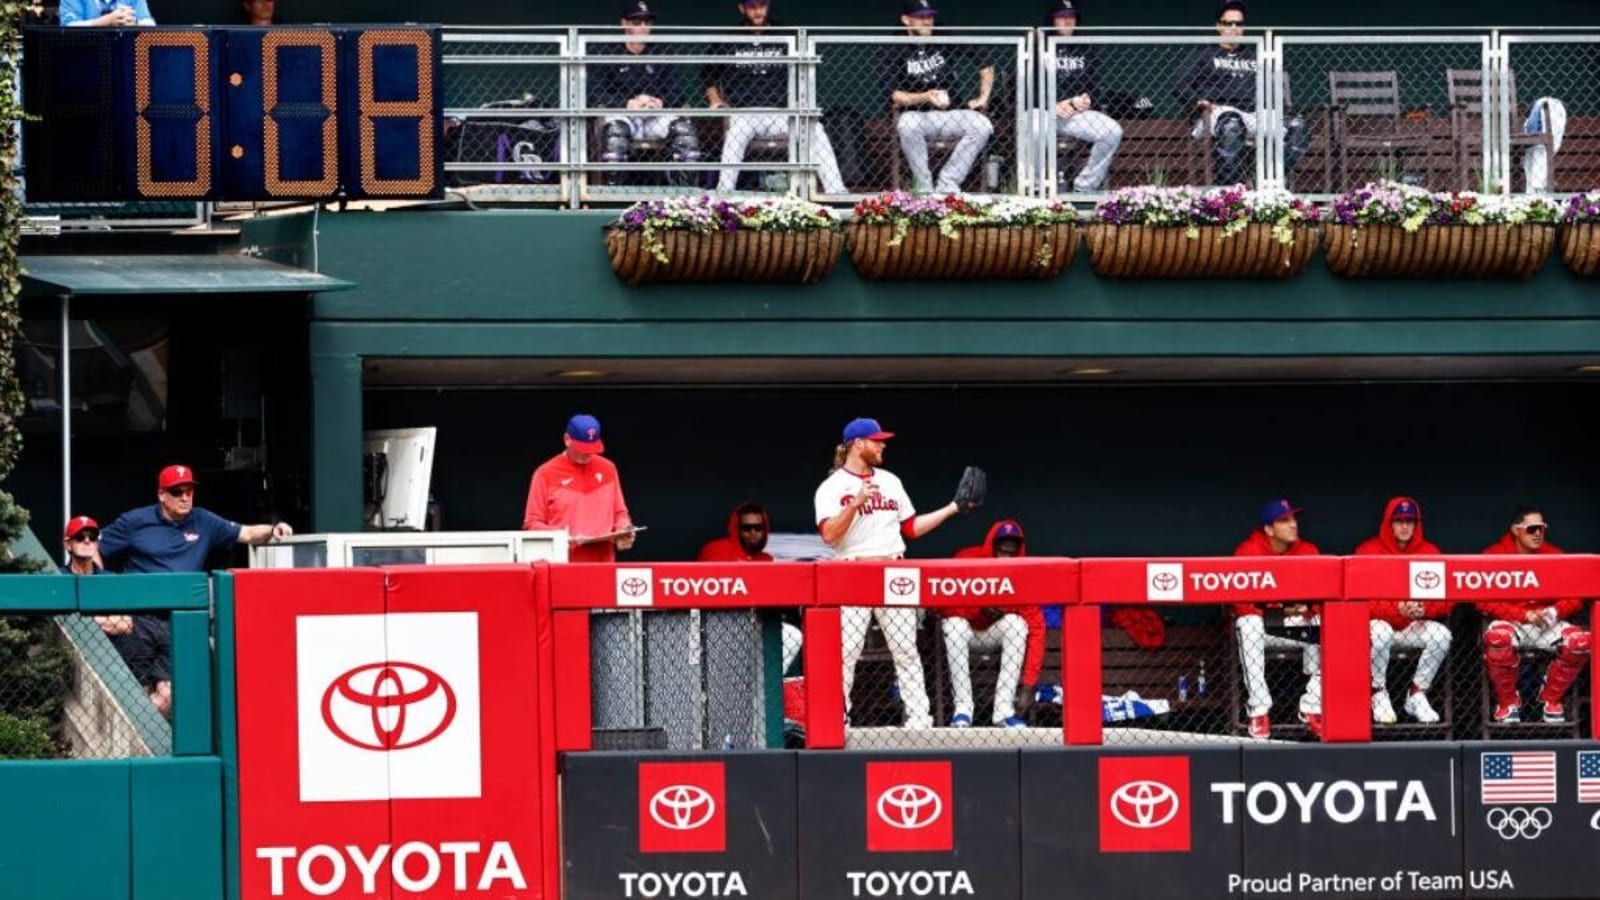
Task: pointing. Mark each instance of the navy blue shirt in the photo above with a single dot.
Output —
(146, 542)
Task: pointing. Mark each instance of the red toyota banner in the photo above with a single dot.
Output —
(385, 742)
(948, 582)
(1222, 579)
(1519, 577)
(681, 585)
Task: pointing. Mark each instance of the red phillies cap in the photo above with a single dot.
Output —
(172, 476)
(79, 523)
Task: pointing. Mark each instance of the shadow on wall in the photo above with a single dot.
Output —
(1102, 471)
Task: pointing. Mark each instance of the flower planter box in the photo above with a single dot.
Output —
(977, 251)
(796, 257)
(1437, 251)
(1580, 248)
(1148, 251)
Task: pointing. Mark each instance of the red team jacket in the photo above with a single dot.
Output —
(1516, 611)
(1256, 545)
(586, 500)
(729, 549)
(1385, 545)
(1032, 615)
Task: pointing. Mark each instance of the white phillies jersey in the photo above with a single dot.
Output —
(875, 531)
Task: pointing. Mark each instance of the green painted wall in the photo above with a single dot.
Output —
(1089, 471)
(844, 12)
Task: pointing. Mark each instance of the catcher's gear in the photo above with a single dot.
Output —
(972, 490)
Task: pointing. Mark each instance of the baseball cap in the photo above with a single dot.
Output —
(1061, 8)
(918, 8)
(637, 9)
(865, 428)
(1405, 509)
(1008, 529)
(755, 2)
(585, 433)
(173, 476)
(79, 523)
(1276, 510)
(1233, 4)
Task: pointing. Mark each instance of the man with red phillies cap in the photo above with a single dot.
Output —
(82, 539)
(1278, 534)
(1405, 623)
(1515, 624)
(143, 642)
(579, 490)
(170, 535)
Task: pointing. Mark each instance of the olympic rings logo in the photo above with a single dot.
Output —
(1519, 822)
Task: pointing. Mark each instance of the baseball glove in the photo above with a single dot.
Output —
(973, 489)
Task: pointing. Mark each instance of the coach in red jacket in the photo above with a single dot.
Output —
(1277, 534)
(1016, 631)
(1515, 624)
(1405, 623)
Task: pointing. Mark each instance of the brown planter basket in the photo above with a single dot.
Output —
(1147, 251)
(1580, 248)
(1437, 251)
(984, 251)
(797, 257)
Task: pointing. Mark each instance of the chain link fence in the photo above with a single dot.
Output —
(1404, 107)
(85, 687)
(1550, 112)
(505, 126)
(1123, 111)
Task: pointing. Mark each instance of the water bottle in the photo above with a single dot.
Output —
(1200, 685)
(727, 741)
(991, 173)
(1183, 687)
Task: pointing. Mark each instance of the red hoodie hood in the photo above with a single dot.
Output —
(1385, 542)
(728, 548)
(1257, 545)
(733, 528)
(1508, 545)
(986, 549)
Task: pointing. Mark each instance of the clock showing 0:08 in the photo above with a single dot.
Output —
(197, 114)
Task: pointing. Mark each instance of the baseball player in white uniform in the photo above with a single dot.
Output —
(863, 512)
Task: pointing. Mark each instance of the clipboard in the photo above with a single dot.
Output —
(609, 536)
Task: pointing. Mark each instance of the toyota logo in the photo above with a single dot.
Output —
(902, 586)
(396, 698)
(682, 807)
(1144, 804)
(1164, 581)
(910, 806)
(1519, 822)
(634, 587)
(1427, 580)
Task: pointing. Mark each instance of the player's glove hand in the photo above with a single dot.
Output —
(972, 490)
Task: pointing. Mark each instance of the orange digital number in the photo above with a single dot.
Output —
(143, 43)
(275, 185)
(420, 109)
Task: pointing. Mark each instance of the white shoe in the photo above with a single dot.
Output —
(1418, 707)
(1383, 708)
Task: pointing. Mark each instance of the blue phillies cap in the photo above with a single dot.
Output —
(917, 8)
(585, 434)
(1008, 529)
(1276, 510)
(865, 428)
(1405, 509)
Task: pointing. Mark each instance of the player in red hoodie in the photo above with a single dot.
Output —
(1016, 631)
(746, 541)
(1405, 623)
(1278, 535)
(1515, 624)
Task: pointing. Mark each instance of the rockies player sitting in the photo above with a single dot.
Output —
(863, 512)
(1016, 631)
(1515, 624)
(1278, 534)
(1077, 86)
(760, 78)
(640, 88)
(1219, 83)
(930, 106)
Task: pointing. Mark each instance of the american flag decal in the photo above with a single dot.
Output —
(1519, 777)
(1589, 776)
